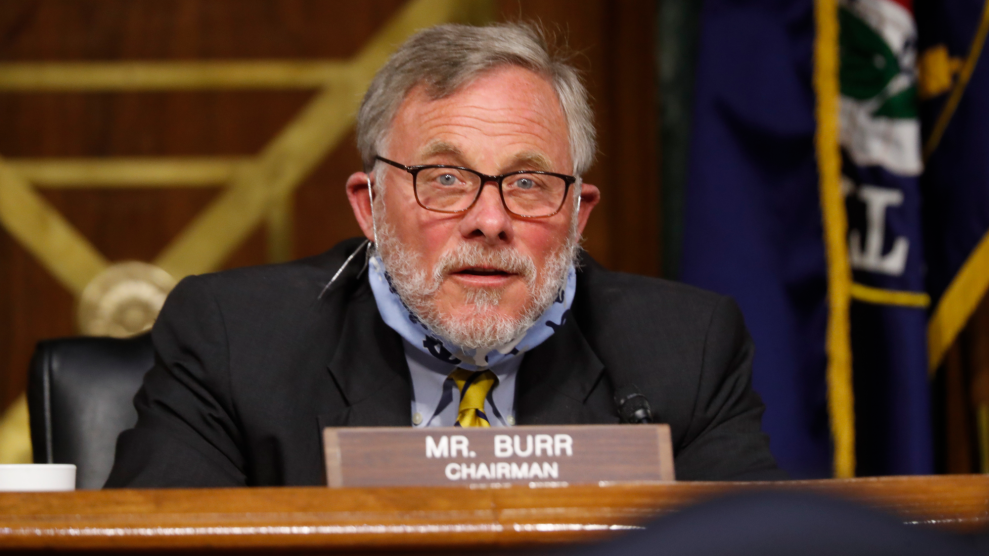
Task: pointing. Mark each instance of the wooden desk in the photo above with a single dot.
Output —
(419, 519)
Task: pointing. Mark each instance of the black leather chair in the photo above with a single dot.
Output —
(80, 398)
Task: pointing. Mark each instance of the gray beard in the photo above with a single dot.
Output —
(483, 328)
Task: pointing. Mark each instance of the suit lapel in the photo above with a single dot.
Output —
(562, 382)
(369, 367)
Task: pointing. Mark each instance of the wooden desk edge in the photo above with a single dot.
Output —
(418, 518)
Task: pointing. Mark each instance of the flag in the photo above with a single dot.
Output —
(803, 203)
(881, 167)
(954, 92)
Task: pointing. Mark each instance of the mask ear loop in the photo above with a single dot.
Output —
(367, 245)
(344, 265)
(374, 226)
(370, 196)
(580, 183)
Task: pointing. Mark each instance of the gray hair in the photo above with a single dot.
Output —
(447, 57)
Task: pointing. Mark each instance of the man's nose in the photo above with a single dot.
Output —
(488, 218)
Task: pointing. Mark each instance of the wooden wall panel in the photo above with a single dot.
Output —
(614, 40)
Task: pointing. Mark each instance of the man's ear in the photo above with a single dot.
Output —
(359, 195)
(589, 197)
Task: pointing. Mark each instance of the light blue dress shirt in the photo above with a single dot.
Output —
(436, 401)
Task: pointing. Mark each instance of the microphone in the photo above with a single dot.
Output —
(633, 407)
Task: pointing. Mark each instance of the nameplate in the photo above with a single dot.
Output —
(450, 456)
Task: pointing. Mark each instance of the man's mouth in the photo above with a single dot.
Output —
(482, 271)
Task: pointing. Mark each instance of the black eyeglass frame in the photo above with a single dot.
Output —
(485, 179)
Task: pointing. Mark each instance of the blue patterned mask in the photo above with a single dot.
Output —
(401, 320)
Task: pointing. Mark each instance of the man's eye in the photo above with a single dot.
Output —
(446, 179)
(525, 183)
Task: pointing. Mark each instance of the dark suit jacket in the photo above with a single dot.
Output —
(252, 363)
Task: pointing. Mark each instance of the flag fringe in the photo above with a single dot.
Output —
(839, 351)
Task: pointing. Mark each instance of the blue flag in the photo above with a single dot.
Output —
(755, 228)
(881, 167)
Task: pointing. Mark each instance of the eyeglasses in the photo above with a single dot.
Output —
(452, 189)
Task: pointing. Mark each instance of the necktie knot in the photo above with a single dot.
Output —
(473, 388)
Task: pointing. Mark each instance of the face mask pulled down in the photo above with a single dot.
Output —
(479, 335)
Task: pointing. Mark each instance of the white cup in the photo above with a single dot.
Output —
(37, 477)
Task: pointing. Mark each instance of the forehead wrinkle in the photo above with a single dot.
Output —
(456, 129)
(529, 150)
(533, 123)
(497, 117)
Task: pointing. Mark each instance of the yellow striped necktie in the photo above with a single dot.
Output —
(474, 388)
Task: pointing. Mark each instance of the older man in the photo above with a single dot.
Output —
(468, 303)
